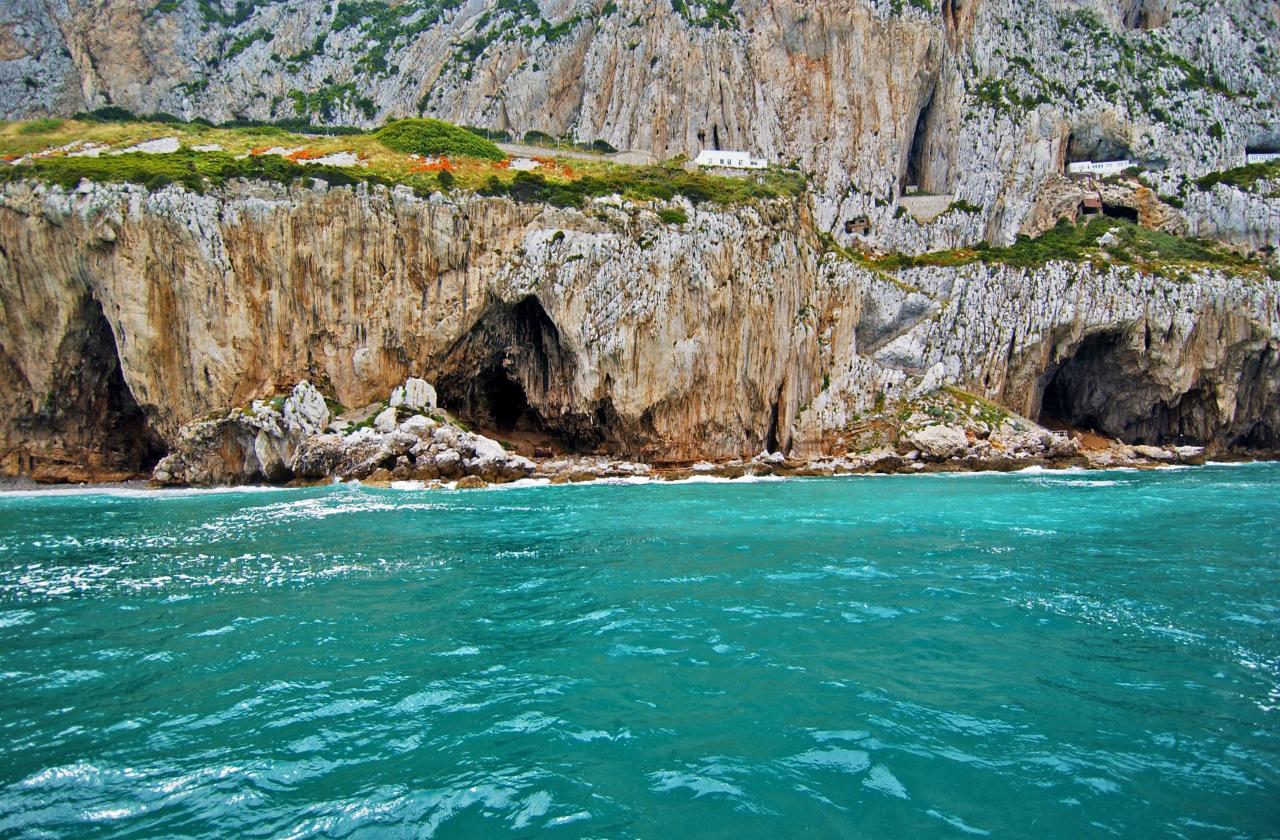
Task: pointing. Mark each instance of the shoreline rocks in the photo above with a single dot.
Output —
(293, 439)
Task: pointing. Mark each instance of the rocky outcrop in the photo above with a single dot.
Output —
(297, 441)
(604, 329)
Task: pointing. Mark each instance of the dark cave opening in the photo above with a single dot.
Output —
(510, 374)
(1103, 387)
(1119, 211)
(486, 374)
(1092, 143)
(90, 422)
(915, 173)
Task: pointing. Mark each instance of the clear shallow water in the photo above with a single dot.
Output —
(1052, 655)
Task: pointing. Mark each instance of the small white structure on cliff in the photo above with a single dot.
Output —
(1102, 168)
(1261, 157)
(731, 160)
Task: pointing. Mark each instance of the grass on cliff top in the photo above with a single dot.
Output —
(1148, 250)
(1243, 177)
(472, 162)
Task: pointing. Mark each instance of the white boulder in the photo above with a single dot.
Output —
(939, 442)
(386, 421)
(415, 394)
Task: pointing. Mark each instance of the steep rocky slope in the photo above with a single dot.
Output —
(980, 100)
(605, 328)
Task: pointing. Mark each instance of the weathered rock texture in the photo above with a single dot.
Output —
(981, 100)
(604, 328)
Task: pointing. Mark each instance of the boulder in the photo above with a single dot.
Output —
(318, 456)
(471, 482)
(305, 412)
(939, 442)
(418, 425)
(449, 463)
(415, 394)
(386, 421)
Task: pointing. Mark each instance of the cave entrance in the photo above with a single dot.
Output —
(510, 375)
(488, 373)
(1119, 211)
(1092, 143)
(1103, 387)
(90, 426)
(915, 176)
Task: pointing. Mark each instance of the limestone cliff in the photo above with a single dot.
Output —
(983, 101)
(128, 313)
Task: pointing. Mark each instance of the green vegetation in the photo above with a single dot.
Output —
(243, 43)
(326, 101)
(646, 183)
(41, 126)
(386, 27)
(1243, 177)
(673, 216)
(197, 171)
(1002, 97)
(474, 163)
(708, 14)
(434, 137)
(1148, 250)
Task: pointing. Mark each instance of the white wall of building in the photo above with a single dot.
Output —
(732, 160)
(1103, 167)
(1261, 157)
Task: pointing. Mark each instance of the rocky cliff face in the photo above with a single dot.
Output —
(980, 100)
(605, 328)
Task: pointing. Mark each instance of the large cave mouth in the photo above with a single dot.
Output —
(1094, 143)
(916, 175)
(1103, 387)
(512, 375)
(91, 422)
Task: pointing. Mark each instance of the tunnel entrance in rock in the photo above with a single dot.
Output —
(510, 375)
(1104, 387)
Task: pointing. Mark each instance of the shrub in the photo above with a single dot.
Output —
(604, 146)
(673, 216)
(445, 179)
(41, 126)
(425, 136)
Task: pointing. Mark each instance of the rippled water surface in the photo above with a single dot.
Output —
(1034, 655)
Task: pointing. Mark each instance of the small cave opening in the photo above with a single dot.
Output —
(511, 375)
(1119, 211)
(715, 137)
(1103, 387)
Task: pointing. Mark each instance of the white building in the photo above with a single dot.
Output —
(732, 160)
(1261, 157)
(1102, 168)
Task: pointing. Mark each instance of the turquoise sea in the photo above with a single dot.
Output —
(1046, 655)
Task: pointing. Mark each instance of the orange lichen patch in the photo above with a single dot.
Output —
(9, 158)
(440, 165)
(503, 164)
(259, 150)
(304, 154)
